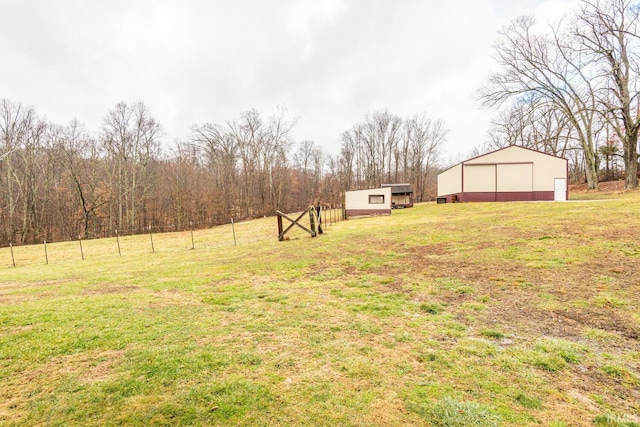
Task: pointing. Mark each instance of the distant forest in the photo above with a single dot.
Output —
(64, 182)
(571, 89)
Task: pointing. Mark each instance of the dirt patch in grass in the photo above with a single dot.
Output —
(515, 291)
(171, 297)
(87, 367)
(431, 250)
(110, 289)
(19, 292)
(606, 319)
(387, 411)
(525, 300)
(83, 368)
(12, 286)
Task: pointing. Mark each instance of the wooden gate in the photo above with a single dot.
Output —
(314, 221)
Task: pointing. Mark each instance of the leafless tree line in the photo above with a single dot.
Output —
(62, 182)
(572, 90)
(387, 149)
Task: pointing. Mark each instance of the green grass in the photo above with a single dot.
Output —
(610, 420)
(431, 308)
(492, 333)
(528, 402)
(450, 412)
(464, 314)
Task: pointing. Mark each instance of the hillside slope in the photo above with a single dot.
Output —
(456, 314)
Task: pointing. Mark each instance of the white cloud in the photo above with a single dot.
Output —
(198, 61)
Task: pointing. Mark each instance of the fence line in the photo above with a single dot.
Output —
(221, 236)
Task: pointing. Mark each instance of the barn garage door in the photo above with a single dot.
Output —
(514, 178)
(479, 178)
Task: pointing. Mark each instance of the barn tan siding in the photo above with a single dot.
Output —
(450, 181)
(479, 178)
(546, 171)
(513, 154)
(515, 177)
(511, 173)
(545, 167)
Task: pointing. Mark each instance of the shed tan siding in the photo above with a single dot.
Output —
(450, 181)
(357, 202)
(479, 178)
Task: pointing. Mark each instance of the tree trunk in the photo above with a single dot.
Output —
(591, 172)
(631, 168)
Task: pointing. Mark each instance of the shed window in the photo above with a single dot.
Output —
(376, 199)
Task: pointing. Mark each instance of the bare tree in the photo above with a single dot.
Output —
(276, 143)
(59, 181)
(385, 148)
(15, 121)
(81, 160)
(550, 69)
(184, 190)
(246, 131)
(262, 147)
(608, 34)
(22, 135)
(349, 160)
(309, 162)
(370, 148)
(249, 158)
(424, 139)
(32, 165)
(220, 149)
(131, 139)
(538, 126)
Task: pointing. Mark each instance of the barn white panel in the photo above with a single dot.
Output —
(479, 178)
(512, 154)
(545, 172)
(512, 169)
(450, 181)
(545, 167)
(515, 177)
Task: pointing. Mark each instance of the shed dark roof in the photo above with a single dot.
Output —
(399, 188)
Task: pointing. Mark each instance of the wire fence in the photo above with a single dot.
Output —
(156, 239)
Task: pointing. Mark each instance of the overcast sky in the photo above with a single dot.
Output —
(195, 61)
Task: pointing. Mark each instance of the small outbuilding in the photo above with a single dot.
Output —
(375, 201)
(513, 173)
(401, 195)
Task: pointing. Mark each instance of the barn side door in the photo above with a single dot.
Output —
(560, 189)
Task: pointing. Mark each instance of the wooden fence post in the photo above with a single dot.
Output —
(153, 250)
(118, 240)
(193, 245)
(233, 229)
(81, 251)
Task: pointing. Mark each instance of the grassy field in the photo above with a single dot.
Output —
(445, 315)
